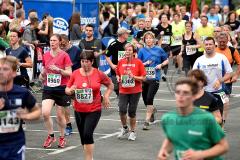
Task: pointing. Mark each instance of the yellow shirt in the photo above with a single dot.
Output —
(204, 32)
(178, 30)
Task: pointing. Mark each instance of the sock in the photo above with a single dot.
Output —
(51, 135)
(125, 127)
(69, 125)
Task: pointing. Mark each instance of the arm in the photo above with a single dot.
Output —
(197, 38)
(165, 150)
(32, 114)
(217, 116)
(106, 101)
(45, 31)
(66, 72)
(113, 66)
(77, 30)
(27, 64)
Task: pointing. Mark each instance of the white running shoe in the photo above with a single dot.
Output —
(123, 134)
(132, 136)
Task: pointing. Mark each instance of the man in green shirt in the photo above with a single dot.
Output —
(192, 133)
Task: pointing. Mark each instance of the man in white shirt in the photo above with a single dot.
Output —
(196, 20)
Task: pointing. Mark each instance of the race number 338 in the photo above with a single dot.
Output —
(9, 122)
(127, 81)
(53, 80)
(151, 73)
(84, 95)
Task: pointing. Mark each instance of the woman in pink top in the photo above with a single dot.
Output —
(55, 75)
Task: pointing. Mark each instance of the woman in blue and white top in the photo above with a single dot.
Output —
(153, 58)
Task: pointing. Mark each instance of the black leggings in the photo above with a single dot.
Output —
(150, 88)
(86, 123)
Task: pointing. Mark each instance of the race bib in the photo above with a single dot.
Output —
(166, 39)
(190, 50)
(53, 80)
(18, 71)
(224, 97)
(203, 38)
(121, 55)
(151, 72)
(178, 39)
(180, 155)
(84, 95)
(127, 81)
(9, 122)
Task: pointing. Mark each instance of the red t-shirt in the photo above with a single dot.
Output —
(137, 68)
(62, 60)
(92, 82)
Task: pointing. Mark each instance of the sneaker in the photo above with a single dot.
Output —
(164, 77)
(61, 142)
(49, 141)
(132, 136)
(123, 134)
(146, 126)
(68, 131)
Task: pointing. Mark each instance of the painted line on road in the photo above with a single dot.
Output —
(108, 136)
(39, 130)
(63, 150)
(40, 149)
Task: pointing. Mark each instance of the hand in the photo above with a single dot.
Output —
(234, 79)
(131, 75)
(163, 155)
(159, 66)
(22, 114)
(41, 77)
(73, 88)
(180, 54)
(192, 155)
(217, 84)
(162, 32)
(45, 21)
(54, 68)
(106, 102)
(118, 79)
(2, 103)
(114, 67)
(147, 63)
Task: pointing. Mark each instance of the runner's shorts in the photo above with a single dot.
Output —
(12, 152)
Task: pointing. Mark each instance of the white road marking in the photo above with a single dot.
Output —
(108, 136)
(63, 150)
(40, 149)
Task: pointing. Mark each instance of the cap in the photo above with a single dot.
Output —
(122, 31)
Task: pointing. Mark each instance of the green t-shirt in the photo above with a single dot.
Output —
(4, 43)
(198, 131)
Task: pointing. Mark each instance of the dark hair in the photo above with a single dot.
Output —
(189, 22)
(114, 22)
(16, 31)
(199, 75)
(121, 15)
(19, 13)
(31, 10)
(229, 14)
(88, 55)
(143, 10)
(204, 17)
(89, 25)
(191, 83)
(176, 14)
(65, 37)
(75, 19)
(160, 16)
(209, 39)
(106, 15)
(58, 36)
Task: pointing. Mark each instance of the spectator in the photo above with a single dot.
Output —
(111, 29)
(75, 27)
(213, 17)
(232, 21)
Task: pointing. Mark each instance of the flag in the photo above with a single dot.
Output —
(194, 7)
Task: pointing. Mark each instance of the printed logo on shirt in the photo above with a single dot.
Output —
(128, 65)
(84, 84)
(195, 133)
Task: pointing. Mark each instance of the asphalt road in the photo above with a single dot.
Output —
(147, 144)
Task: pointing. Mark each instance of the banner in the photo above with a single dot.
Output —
(89, 15)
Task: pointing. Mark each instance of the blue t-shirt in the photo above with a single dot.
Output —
(214, 20)
(156, 55)
(14, 99)
(21, 54)
(74, 54)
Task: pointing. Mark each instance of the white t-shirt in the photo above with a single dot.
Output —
(196, 23)
(214, 68)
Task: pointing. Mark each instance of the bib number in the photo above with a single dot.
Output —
(121, 55)
(84, 95)
(224, 97)
(190, 50)
(127, 81)
(178, 39)
(203, 38)
(18, 71)
(151, 72)
(53, 80)
(9, 122)
(166, 40)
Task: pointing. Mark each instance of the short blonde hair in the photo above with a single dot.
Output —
(11, 60)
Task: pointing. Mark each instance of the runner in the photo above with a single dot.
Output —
(191, 133)
(116, 50)
(203, 99)
(85, 83)
(189, 48)
(165, 30)
(233, 57)
(16, 104)
(74, 54)
(130, 74)
(217, 69)
(55, 74)
(178, 29)
(22, 55)
(153, 58)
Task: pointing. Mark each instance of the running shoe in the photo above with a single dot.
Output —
(61, 142)
(123, 134)
(49, 141)
(146, 126)
(164, 77)
(132, 136)
(68, 131)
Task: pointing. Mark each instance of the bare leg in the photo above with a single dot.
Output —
(47, 105)
(88, 151)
